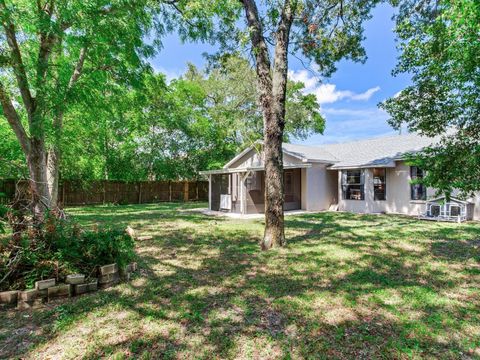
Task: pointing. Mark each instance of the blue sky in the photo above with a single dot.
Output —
(348, 99)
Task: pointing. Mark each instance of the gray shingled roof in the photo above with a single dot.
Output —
(314, 153)
(381, 151)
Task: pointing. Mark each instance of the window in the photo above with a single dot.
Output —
(455, 210)
(379, 183)
(353, 185)
(417, 191)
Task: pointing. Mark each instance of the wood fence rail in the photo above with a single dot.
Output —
(75, 193)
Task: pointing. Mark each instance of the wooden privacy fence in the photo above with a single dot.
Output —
(118, 192)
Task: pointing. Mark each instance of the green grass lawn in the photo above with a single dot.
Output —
(346, 286)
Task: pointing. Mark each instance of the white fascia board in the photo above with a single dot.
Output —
(254, 168)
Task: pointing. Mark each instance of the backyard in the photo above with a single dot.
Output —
(346, 286)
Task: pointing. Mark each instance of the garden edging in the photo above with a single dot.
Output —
(74, 285)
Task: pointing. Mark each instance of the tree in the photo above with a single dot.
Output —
(56, 53)
(440, 47)
(231, 95)
(324, 31)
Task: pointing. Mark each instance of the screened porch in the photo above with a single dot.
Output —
(242, 191)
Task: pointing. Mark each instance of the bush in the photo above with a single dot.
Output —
(59, 247)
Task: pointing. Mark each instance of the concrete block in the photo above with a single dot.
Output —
(43, 293)
(59, 291)
(44, 284)
(108, 269)
(28, 295)
(92, 286)
(79, 289)
(28, 305)
(125, 276)
(75, 279)
(107, 280)
(9, 297)
(132, 267)
(29, 299)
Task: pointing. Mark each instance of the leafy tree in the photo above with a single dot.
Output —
(54, 54)
(324, 31)
(441, 49)
(231, 95)
(163, 131)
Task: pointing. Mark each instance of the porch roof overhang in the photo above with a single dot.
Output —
(252, 168)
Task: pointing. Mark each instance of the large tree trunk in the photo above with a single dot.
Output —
(274, 234)
(272, 85)
(53, 173)
(37, 166)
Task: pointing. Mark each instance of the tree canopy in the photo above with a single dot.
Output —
(163, 130)
(440, 48)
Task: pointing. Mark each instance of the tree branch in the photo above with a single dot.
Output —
(78, 68)
(282, 38)
(17, 62)
(14, 120)
(260, 50)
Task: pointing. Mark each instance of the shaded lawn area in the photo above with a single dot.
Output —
(346, 286)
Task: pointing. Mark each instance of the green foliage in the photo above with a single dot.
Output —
(169, 131)
(440, 48)
(323, 31)
(60, 247)
(3, 216)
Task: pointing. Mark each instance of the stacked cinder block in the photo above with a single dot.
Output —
(75, 284)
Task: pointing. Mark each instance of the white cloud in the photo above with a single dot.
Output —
(347, 124)
(328, 93)
(170, 74)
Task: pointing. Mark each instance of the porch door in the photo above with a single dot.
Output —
(292, 186)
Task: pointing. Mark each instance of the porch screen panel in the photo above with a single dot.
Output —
(292, 186)
(219, 187)
(255, 192)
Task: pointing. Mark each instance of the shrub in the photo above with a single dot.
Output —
(59, 247)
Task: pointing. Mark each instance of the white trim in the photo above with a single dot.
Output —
(369, 166)
(288, 152)
(253, 168)
(237, 157)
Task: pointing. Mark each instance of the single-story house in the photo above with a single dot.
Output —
(367, 176)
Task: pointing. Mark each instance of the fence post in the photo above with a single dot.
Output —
(185, 191)
(169, 190)
(103, 191)
(139, 192)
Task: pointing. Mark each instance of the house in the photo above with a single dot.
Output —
(367, 176)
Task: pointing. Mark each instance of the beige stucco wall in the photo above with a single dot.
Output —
(319, 187)
(397, 196)
(322, 188)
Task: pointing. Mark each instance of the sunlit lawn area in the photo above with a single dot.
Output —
(346, 286)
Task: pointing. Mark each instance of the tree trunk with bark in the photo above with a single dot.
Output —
(272, 84)
(43, 164)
